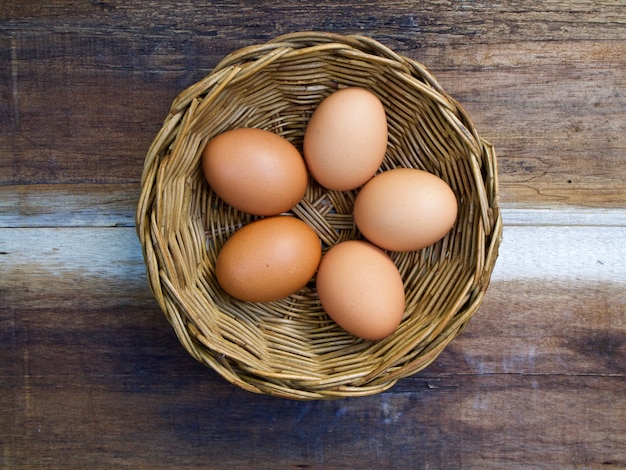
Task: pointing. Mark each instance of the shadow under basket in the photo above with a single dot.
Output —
(291, 348)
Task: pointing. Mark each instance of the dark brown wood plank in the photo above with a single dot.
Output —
(555, 111)
(545, 327)
(90, 384)
(544, 83)
(495, 422)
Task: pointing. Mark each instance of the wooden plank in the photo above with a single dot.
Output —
(543, 82)
(114, 205)
(587, 253)
(87, 383)
(68, 205)
(563, 253)
(65, 267)
(452, 22)
(501, 421)
(543, 327)
(518, 214)
(554, 114)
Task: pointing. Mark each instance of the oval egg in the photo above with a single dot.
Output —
(346, 139)
(268, 259)
(405, 209)
(255, 171)
(361, 289)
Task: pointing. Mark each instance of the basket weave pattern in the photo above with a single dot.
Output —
(290, 348)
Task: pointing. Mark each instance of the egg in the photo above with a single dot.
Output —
(361, 289)
(346, 139)
(405, 209)
(268, 259)
(255, 171)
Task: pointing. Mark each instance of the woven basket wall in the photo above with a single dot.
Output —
(290, 348)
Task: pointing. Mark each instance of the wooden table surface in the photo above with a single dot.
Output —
(91, 373)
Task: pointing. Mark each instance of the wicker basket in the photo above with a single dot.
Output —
(290, 348)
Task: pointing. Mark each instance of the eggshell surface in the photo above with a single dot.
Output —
(255, 171)
(361, 289)
(346, 139)
(405, 209)
(268, 259)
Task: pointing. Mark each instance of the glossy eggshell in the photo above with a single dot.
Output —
(405, 209)
(255, 171)
(268, 259)
(346, 139)
(361, 289)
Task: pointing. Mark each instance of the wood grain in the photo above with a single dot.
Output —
(68, 205)
(545, 82)
(88, 349)
(91, 374)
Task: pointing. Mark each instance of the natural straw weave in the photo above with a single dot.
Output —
(290, 348)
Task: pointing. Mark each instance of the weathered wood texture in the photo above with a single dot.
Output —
(86, 85)
(91, 375)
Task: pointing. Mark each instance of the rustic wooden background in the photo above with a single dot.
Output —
(91, 374)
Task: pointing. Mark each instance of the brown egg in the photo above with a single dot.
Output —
(255, 171)
(361, 289)
(346, 139)
(268, 259)
(405, 209)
